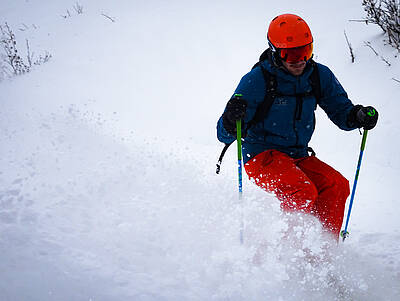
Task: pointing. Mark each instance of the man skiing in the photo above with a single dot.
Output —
(276, 101)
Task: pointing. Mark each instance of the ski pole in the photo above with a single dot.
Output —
(344, 232)
(239, 151)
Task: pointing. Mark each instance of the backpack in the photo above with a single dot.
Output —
(271, 93)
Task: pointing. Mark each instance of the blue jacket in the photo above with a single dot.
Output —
(288, 127)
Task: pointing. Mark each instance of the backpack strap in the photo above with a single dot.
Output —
(270, 94)
(315, 81)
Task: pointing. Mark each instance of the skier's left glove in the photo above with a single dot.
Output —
(363, 117)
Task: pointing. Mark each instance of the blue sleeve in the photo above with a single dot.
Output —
(222, 134)
(334, 100)
(252, 88)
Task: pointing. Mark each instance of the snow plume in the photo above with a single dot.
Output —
(87, 216)
(291, 257)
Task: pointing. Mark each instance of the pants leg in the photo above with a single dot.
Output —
(333, 190)
(276, 172)
(307, 184)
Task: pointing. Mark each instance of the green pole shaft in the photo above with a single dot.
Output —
(364, 140)
(239, 151)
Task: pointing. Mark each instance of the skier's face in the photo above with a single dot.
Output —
(295, 68)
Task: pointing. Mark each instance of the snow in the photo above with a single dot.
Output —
(107, 160)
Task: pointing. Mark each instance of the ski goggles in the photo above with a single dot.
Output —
(298, 54)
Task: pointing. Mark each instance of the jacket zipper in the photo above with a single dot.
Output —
(297, 114)
(299, 107)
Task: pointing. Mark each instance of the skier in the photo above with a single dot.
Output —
(275, 145)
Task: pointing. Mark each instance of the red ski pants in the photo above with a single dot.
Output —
(306, 184)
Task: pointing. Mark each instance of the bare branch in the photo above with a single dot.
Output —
(29, 55)
(363, 21)
(368, 44)
(386, 61)
(24, 28)
(43, 59)
(108, 17)
(78, 8)
(68, 15)
(351, 48)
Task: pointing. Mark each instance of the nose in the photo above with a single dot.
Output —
(297, 64)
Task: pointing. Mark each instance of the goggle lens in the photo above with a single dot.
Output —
(294, 55)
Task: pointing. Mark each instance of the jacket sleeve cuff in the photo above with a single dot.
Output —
(222, 134)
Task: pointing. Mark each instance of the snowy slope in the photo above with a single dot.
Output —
(107, 184)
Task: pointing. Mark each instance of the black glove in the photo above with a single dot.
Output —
(365, 117)
(235, 110)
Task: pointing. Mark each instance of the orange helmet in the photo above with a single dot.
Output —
(289, 31)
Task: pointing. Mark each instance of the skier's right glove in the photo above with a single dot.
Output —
(235, 110)
(363, 117)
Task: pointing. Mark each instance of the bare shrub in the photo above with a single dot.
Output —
(386, 14)
(11, 55)
(12, 63)
(78, 8)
